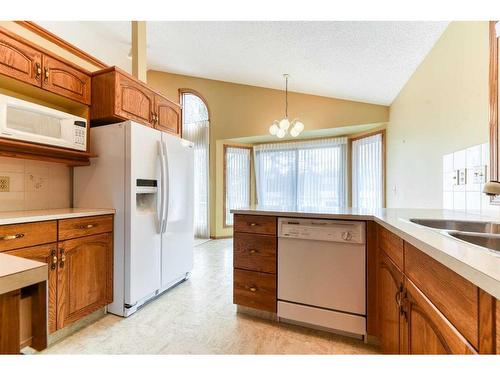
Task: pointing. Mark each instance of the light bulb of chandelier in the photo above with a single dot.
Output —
(273, 129)
(294, 132)
(281, 133)
(298, 126)
(284, 124)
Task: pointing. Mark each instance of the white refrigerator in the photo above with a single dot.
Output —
(147, 176)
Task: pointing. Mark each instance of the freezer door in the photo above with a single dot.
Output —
(177, 239)
(143, 235)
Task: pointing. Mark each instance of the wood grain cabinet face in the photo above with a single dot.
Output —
(15, 236)
(426, 330)
(456, 297)
(255, 252)
(168, 116)
(254, 289)
(84, 226)
(390, 281)
(133, 101)
(84, 276)
(46, 254)
(60, 78)
(255, 224)
(20, 61)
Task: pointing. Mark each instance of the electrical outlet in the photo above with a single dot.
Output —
(4, 184)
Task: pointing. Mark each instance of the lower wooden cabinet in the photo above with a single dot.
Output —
(47, 254)
(80, 260)
(390, 281)
(84, 276)
(425, 330)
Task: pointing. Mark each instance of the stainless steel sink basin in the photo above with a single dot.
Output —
(491, 242)
(459, 225)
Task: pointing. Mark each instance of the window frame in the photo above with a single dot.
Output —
(382, 132)
(224, 184)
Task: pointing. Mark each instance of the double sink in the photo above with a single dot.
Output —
(480, 233)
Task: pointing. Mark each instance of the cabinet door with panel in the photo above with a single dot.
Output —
(167, 116)
(61, 78)
(426, 329)
(390, 286)
(20, 61)
(47, 254)
(133, 100)
(84, 276)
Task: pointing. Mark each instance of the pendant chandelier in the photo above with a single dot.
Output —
(280, 128)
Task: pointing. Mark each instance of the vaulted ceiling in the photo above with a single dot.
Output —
(368, 61)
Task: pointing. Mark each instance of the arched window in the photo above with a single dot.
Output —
(195, 128)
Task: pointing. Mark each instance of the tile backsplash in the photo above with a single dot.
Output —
(35, 185)
(464, 175)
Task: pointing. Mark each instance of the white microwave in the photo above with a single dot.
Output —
(25, 121)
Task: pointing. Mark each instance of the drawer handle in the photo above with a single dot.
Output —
(253, 224)
(12, 236)
(88, 226)
(253, 289)
(253, 251)
(46, 74)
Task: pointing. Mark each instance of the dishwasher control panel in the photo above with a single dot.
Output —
(322, 230)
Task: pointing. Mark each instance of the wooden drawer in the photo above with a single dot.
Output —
(255, 224)
(15, 236)
(255, 252)
(254, 289)
(392, 245)
(456, 297)
(84, 226)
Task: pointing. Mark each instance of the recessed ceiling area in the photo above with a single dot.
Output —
(367, 61)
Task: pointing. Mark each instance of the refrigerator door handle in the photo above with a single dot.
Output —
(166, 188)
(161, 212)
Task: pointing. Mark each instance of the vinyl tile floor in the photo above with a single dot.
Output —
(198, 317)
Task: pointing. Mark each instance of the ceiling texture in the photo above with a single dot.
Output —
(367, 61)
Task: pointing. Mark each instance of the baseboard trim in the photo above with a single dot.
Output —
(220, 237)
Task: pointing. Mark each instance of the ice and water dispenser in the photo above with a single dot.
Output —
(146, 196)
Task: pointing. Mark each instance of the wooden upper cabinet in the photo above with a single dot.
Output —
(63, 79)
(426, 330)
(46, 254)
(118, 96)
(168, 115)
(390, 281)
(19, 60)
(133, 101)
(84, 276)
(26, 62)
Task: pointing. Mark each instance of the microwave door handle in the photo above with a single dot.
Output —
(166, 190)
(161, 211)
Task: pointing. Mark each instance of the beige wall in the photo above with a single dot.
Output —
(441, 109)
(238, 111)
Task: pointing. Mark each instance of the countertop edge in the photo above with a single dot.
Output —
(54, 216)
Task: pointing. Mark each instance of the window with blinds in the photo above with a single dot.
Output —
(304, 176)
(236, 180)
(367, 172)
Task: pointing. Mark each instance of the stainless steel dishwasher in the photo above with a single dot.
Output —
(322, 274)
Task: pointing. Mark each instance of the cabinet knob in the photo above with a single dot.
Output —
(88, 226)
(252, 289)
(53, 264)
(253, 224)
(46, 74)
(38, 71)
(253, 251)
(63, 258)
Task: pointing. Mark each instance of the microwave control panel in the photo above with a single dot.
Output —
(80, 134)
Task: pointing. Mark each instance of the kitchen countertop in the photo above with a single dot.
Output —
(16, 272)
(16, 217)
(477, 264)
